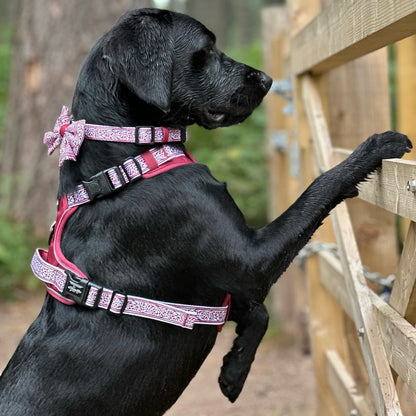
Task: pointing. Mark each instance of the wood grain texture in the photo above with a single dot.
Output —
(347, 29)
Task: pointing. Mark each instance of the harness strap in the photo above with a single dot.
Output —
(68, 284)
(148, 164)
(138, 134)
(87, 294)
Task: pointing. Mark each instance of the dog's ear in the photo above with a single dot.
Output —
(142, 48)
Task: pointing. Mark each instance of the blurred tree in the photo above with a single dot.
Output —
(52, 39)
(213, 15)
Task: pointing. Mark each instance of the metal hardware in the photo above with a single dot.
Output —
(360, 332)
(411, 185)
(279, 140)
(294, 159)
(354, 412)
(283, 87)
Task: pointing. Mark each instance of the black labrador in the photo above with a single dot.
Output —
(176, 237)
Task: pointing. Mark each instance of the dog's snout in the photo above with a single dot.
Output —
(260, 78)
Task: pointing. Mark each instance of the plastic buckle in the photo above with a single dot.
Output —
(137, 136)
(76, 288)
(98, 185)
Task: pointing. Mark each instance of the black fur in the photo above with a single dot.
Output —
(176, 237)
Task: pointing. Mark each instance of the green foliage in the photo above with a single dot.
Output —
(237, 154)
(17, 245)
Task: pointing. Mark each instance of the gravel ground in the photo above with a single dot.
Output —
(281, 381)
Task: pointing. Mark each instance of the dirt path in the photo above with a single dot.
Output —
(280, 382)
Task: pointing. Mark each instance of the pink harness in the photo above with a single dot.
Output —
(66, 282)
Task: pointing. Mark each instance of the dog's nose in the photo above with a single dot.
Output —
(265, 81)
(262, 79)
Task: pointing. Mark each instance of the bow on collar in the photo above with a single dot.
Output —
(67, 134)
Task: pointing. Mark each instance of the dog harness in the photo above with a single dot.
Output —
(64, 280)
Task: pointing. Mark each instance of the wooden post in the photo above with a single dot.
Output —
(326, 316)
(403, 297)
(289, 300)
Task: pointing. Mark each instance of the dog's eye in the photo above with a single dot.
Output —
(209, 49)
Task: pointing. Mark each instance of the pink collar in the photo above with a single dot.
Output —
(69, 135)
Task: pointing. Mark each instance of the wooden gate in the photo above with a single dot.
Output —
(364, 348)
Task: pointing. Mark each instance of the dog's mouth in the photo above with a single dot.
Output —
(212, 118)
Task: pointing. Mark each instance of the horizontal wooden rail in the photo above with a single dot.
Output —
(387, 188)
(347, 29)
(399, 337)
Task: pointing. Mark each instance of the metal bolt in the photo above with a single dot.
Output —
(354, 412)
(411, 185)
(360, 332)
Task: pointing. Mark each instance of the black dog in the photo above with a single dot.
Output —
(176, 237)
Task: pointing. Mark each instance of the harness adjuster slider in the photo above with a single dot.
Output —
(77, 289)
(98, 185)
(114, 296)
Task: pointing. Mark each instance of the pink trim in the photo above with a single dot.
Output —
(69, 135)
(185, 316)
(56, 242)
(152, 162)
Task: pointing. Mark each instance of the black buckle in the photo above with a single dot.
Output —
(136, 134)
(76, 288)
(111, 303)
(98, 185)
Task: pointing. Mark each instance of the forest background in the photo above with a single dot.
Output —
(43, 44)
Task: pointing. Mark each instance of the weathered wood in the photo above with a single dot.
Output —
(359, 95)
(346, 30)
(332, 279)
(326, 316)
(405, 53)
(344, 387)
(398, 336)
(289, 305)
(388, 188)
(380, 377)
(403, 295)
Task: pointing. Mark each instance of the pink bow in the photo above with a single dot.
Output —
(67, 134)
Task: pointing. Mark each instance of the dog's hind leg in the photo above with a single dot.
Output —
(251, 326)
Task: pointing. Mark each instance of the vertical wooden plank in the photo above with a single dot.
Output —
(359, 97)
(326, 316)
(405, 52)
(289, 302)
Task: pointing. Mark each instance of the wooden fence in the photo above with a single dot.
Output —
(334, 55)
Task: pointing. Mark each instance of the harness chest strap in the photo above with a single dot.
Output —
(93, 296)
(65, 282)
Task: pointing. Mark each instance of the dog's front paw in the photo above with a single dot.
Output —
(231, 381)
(387, 145)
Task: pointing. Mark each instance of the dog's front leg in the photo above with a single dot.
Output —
(252, 321)
(278, 243)
(270, 250)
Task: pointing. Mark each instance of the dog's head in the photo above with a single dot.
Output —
(159, 67)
